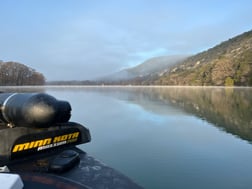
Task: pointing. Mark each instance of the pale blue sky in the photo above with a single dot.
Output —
(81, 39)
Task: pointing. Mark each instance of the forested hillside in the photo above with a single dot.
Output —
(229, 63)
(13, 73)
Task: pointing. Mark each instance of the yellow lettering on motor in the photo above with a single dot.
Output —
(39, 143)
(32, 144)
(75, 135)
(43, 142)
(66, 137)
(21, 147)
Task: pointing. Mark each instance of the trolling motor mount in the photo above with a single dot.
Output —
(41, 123)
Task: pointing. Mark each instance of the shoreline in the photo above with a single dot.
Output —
(118, 86)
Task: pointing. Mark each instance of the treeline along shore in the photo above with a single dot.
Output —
(16, 74)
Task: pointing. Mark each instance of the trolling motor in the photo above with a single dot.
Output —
(33, 123)
(33, 110)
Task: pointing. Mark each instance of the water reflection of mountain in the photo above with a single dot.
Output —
(227, 108)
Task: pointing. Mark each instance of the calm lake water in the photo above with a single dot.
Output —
(168, 137)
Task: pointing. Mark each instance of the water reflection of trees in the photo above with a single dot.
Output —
(22, 89)
(227, 108)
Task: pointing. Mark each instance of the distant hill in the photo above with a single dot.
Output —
(227, 64)
(152, 66)
(156, 65)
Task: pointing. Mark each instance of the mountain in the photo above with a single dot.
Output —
(155, 65)
(152, 66)
(229, 63)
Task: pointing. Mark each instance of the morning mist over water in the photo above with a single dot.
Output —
(167, 137)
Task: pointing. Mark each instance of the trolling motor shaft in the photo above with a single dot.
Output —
(33, 110)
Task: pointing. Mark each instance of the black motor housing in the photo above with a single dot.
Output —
(23, 142)
(33, 110)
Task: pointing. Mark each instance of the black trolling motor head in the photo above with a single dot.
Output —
(33, 110)
(37, 122)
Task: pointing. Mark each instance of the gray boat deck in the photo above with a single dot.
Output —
(88, 173)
